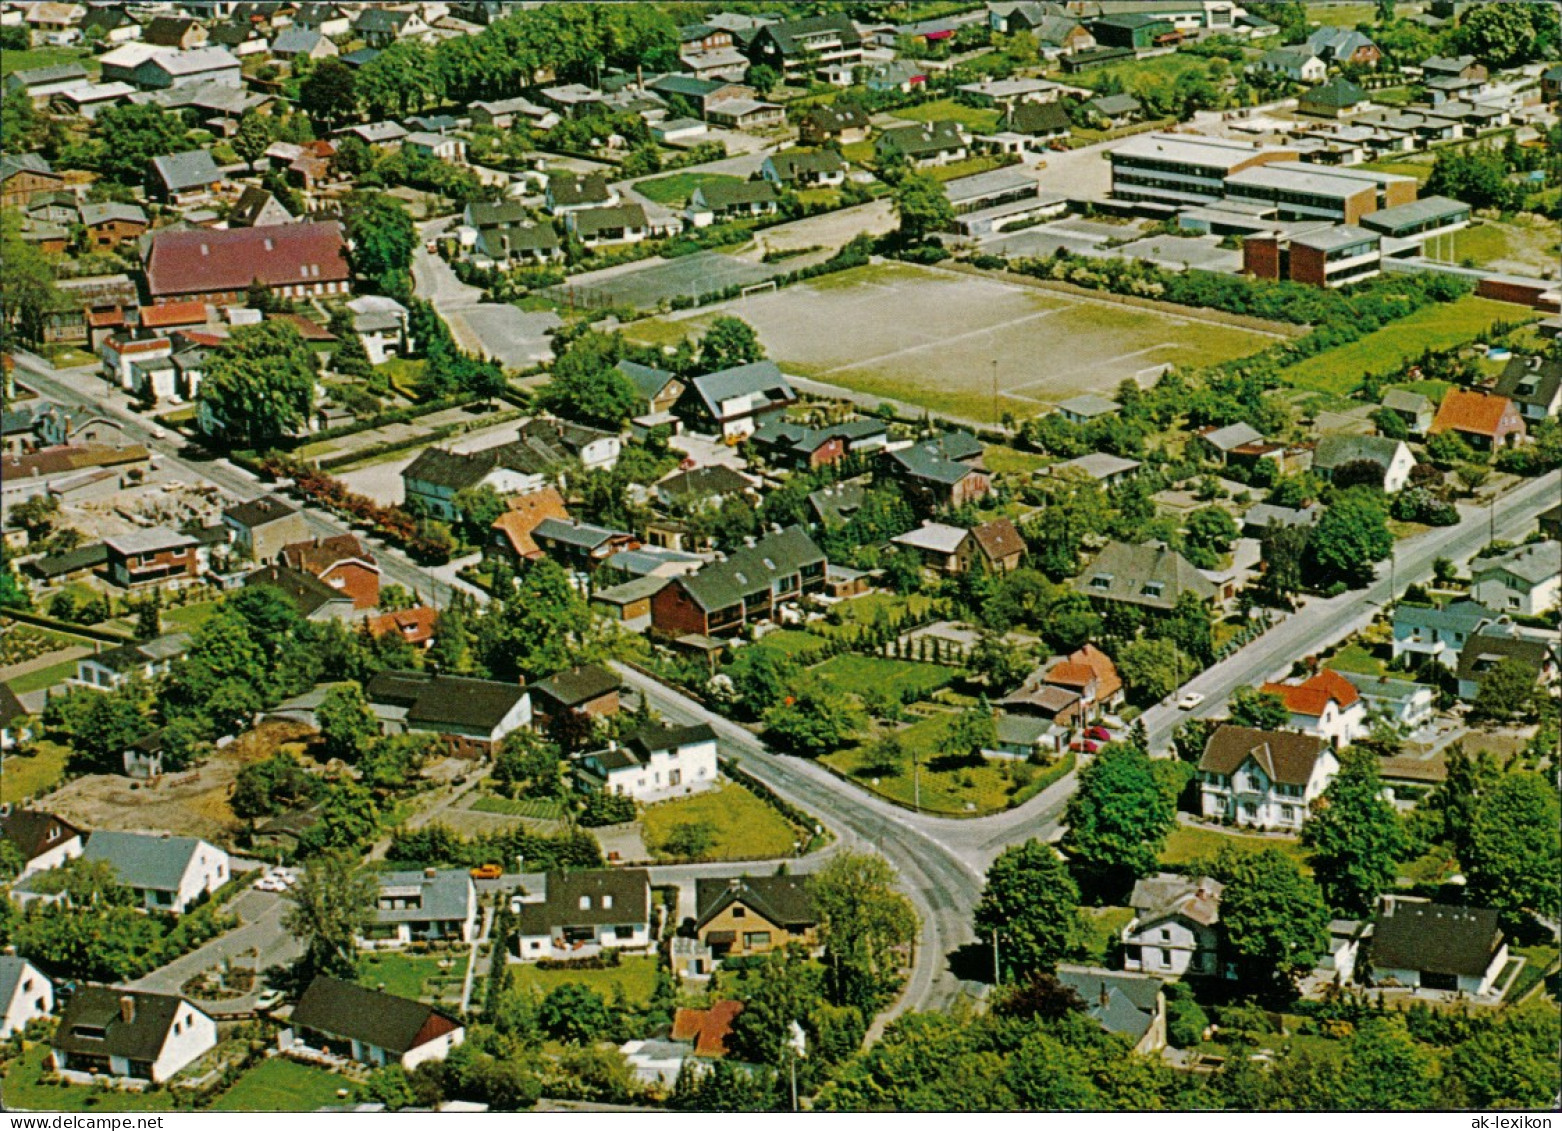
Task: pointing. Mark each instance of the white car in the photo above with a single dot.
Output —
(159, 434)
(266, 883)
(1189, 701)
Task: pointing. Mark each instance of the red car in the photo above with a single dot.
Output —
(1083, 746)
(1100, 734)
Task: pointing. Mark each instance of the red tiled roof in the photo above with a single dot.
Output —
(319, 555)
(141, 345)
(525, 515)
(415, 626)
(1069, 674)
(1108, 682)
(98, 319)
(1311, 696)
(1464, 410)
(193, 262)
(204, 337)
(308, 329)
(707, 1028)
(191, 313)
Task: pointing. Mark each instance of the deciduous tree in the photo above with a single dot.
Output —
(1032, 904)
(1356, 837)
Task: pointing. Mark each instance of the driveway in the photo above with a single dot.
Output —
(515, 338)
(260, 941)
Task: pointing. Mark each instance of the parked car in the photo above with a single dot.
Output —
(1189, 701)
(1100, 734)
(1084, 746)
(487, 872)
(268, 999)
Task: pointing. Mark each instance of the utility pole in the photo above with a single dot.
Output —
(997, 968)
(916, 781)
(997, 417)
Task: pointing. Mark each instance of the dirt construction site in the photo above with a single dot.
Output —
(938, 338)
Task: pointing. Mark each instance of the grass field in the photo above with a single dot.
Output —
(282, 1085)
(539, 809)
(1160, 70)
(972, 118)
(25, 1091)
(679, 187)
(930, 338)
(866, 609)
(636, 974)
(1004, 460)
(36, 57)
(188, 618)
(43, 677)
(408, 975)
(1104, 926)
(1530, 245)
(34, 775)
(1421, 171)
(742, 827)
(1387, 350)
(1188, 844)
(791, 642)
(907, 678)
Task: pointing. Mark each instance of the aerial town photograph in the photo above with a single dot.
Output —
(780, 556)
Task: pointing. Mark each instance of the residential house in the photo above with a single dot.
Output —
(263, 527)
(1326, 705)
(1533, 385)
(295, 43)
(805, 168)
(377, 135)
(1098, 467)
(257, 208)
(342, 562)
(1087, 407)
(940, 142)
(614, 223)
(750, 915)
(438, 147)
(1174, 930)
(1221, 442)
(111, 25)
(1494, 644)
(730, 200)
(1551, 84)
(1117, 110)
(1406, 703)
(1261, 778)
(578, 914)
(1133, 31)
(471, 715)
(698, 1036)
(153, 556)
(26, 994)
(629, 602)
(1296, 63)
(25, 177)
(172, 70)
(1151, 575)
(112, 668)
(185, 178)
(1437, 633)
(43, 840)
(416, 626)
(799, 49)
(437, 476)
(434, 905)
(1550, 522)
(166, 873)
(1526, 580)
(1465, 67)
(659, 390)
(1417, 410)
(785, 444)
(505, 113)
(1436, 946)
(1393, 458)
(900, 75)
(999, 545)
(700, 487)
(240, 38)
(505, 233)
(944, 549)
(843, 122)
(1336, 98)
(754, 584)
(109, 225)
(112, 1032)
(1338, 46)
(381, 27)
(733, 401)
(586, 689)
(511, 534)
(570, 192)
(580, 546)
(330, 20)
(371, 1027)
(944, 471)
(1090, 674)
(53, 24)
(653, 762)
(1482, 420)
(596, 449)
(1130, 1005)
(1039, 121)
(42, 83)
(182, 33)
(303, 260)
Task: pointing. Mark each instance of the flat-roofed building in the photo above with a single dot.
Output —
(1175, 171)
(1329, 255)
(1308, 192)
(1420, 220)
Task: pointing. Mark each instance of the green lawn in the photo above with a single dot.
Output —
(1003, 460)
(742, 827)
(1421, 171)
(908, 678)
(990, 786)
(981, 163)
(1189, 843)
(405, 374)
(864, 610)
(1104, 926)
(679, 187)
(947, 109)
(24, 1090)
(539, 809)
(409, 975)
(1342, 15)
(278, 1084)
(790, 642)
(1358, 660)
(34, 775)
(1161, 70)
(188, 618)
(1537, 960)
(36, 57)
(636, 974)
(1388, 350)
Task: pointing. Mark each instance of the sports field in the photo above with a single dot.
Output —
(931, 338)
(644, 285)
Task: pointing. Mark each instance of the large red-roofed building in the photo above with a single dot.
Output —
(292, 260)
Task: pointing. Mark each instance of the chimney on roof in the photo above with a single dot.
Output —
(429, 873)
(127, 1009)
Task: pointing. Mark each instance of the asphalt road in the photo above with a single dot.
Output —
(260, 941)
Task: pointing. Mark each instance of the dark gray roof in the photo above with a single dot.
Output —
(648, 739)
(304, 591)
(1151, 574)
(578, 685)
(1534, 562)
(98, 1009)
(445, 896)
(943, 459)
(259, 512)
(791, 163)
(1531, 381)
(11, 970)
(722, 584)
(578, 188)
(192, 169)
(787, 901)
(58, 565)
(791, 36)
(595, 897)
(1489, 647)
(1121, 1003)
(609, 218)
(1457, 616)
(757, 378)
(731, 194)
(454, 470)
(445, 700)
(384, 1020)
(649, 380)
(1435, 938)
(701, 483)
(573, 533)
(1039, 118)
(928, 137)
(1337, 449)
(33, 831)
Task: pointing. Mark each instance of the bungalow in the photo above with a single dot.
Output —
(262, 527)
(505, 113)
(435, 147)
(1174, 929)
(110, 25)
(1526, 580)
(1429, 632)
(1087, 407)
(728, 200)
(1405, 703)
(587, 689)
(471, 715)
(1465, 67)
(379, 135)
(697, 1037)
(1392, 458)
(944, 471)
(1417, 410)
(700, 487)
(342, 562)
(803, 168)
(1264, 779)
(166, 873)
(381, 325)
(900, 75)
(1039, 121)
(616, 223)
(505, 232)
(1098, 467)
(1326, 705)
(1130, 1005)
(786, 444)
(434, 905)
(750, 915)
(330, 20)
(1336, 98)
(1296, 63)
(42, 83)
(570, 192)
(755, 583)
(733, 401)
(1151, 575)
(381, 27)
(145, 660)
(1435, 946)
(153, 556)
(372, 1027)
(43, 840)
(1116, 110)
(170, 70)
(843, 122)
(1494, 644)
(185, 178)
(653, 762)
(578, 914)
(1221, 442)
(941, 142)
(26, 994)
(658, 389)
(944, 549)
(1488, 422)
(629, 602)
(302, 43)
(1534, 385)
(120, 1033)
(311, 598)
